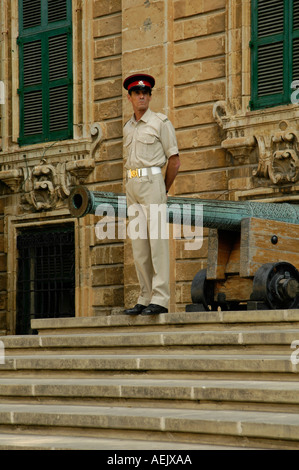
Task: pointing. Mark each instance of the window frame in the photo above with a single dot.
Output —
(43, 32)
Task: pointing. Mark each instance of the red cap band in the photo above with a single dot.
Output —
(139, 83)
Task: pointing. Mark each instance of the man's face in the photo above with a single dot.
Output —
(140, 100)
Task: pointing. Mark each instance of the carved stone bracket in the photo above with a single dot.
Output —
(236, 142)
(12, 178)
(80, 169)
(45, 185)
(240, 147)
(277, 154)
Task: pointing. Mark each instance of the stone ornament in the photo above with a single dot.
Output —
(277, 150)
(46, 185)
(279, 156)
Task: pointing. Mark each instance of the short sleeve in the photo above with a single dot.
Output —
(168, 138)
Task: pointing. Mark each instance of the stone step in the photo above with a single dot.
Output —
(206, 378)
(249, 428)
(262, 339)
(195, 320)
(253, 364)
(26, 441)
(267, 395)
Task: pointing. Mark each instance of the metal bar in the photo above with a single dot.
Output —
(226, 215)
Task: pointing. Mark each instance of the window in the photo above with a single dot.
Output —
(45, 82)
(275, 51)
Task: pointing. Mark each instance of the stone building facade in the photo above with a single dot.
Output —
(200, 52)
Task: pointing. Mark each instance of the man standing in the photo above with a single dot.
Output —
(149, 143)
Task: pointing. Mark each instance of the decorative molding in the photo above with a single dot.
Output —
(44, 186)
(45, 181)
(236, 142)
(12, 178)
(240, 147)
(277, 150)
(98, 133)
(279, 156)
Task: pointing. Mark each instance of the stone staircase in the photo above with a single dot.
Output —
(219, 380)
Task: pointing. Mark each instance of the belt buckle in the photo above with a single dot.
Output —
(134, 173)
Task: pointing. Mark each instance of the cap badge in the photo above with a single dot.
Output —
(141, 83)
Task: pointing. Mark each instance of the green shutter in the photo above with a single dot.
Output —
(295, 47)
(45, 51)
(30, 14)
(57, 10)
(274, 46)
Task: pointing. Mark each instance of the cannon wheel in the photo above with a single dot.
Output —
(202, 290)
(277, 284)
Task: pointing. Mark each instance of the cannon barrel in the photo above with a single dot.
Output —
(218, 214)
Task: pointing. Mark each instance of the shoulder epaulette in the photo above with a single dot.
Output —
(163, 117)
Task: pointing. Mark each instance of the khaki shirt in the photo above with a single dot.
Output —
(149, 141)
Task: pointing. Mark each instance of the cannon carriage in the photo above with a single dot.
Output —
(253, 251)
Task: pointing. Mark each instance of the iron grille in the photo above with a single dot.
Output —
(46, 276)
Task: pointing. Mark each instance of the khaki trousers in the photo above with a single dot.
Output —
(146, 202)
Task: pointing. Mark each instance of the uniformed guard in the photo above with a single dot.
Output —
(149, 144)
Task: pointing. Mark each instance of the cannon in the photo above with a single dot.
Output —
(253, 248)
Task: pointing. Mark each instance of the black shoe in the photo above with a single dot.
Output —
(135, 310)
(154, 309)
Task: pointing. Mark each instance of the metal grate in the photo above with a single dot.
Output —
(46, 276)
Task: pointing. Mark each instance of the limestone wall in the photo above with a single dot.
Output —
(107, 256)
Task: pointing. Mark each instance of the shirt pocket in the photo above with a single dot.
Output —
(146, 145)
